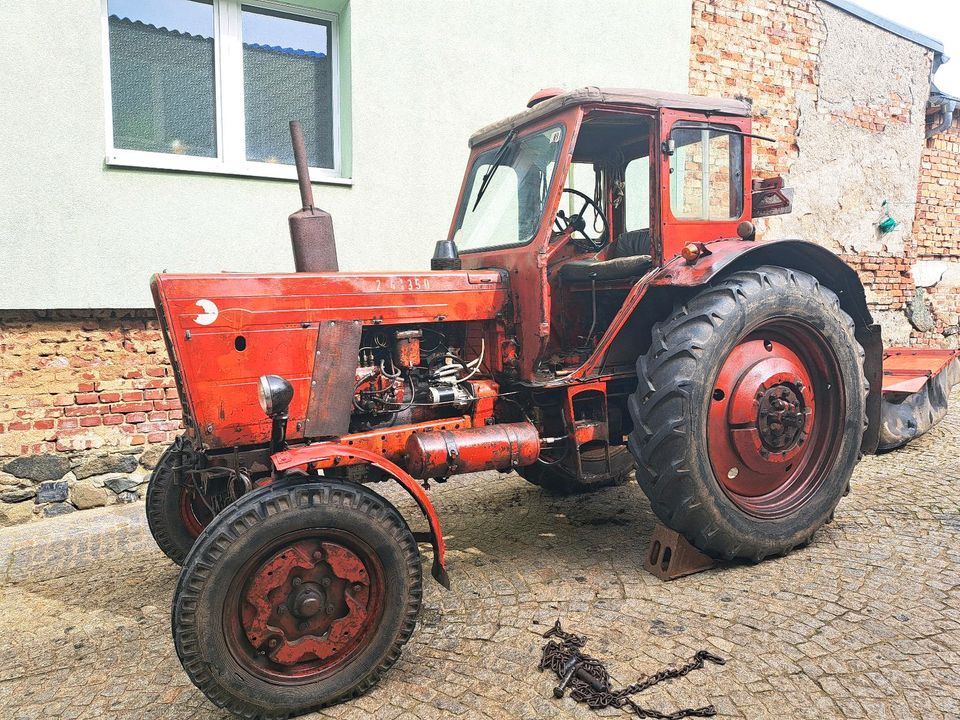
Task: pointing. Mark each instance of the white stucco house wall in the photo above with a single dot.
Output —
(120, 162)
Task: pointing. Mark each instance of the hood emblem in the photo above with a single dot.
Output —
(209, 314)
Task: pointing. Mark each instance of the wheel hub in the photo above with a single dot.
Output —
(307, 601)
(760, 419)
(781, 417)
(311, 601)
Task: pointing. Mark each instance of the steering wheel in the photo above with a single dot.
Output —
(578, 225)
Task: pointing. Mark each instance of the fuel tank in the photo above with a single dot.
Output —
(494, 447)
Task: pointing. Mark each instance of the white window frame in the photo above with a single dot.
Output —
(231, 156)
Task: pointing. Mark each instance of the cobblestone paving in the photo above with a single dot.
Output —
(864, 623)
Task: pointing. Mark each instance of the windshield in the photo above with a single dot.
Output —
(512, 203)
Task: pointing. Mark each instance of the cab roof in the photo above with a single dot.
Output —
(654, 99)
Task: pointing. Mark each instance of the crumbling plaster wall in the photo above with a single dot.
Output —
(844, 101)
(860, 135)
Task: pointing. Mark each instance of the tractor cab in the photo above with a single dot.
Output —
(586, 192)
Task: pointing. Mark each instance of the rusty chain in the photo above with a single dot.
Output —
(589, 681)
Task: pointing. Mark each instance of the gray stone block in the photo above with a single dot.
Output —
(121, 483)
(38, 467)
(52, 492)
(58, 508)
(17, 495)
(104, 464)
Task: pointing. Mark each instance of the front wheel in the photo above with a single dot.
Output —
(176, 513)
(749, 413)
(295, 597)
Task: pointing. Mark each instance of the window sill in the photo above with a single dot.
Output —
(212, 166)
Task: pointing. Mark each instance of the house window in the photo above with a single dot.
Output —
(211, 85)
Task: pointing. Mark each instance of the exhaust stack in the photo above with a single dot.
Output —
(311, 229)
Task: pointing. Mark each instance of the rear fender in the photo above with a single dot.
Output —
(678, 278)
(331, 454)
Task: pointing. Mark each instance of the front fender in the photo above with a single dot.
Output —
(328, 455)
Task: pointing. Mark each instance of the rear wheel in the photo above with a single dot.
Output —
(295, 597)
(749, 413)
(561, 477)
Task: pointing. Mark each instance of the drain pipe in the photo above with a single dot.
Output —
(949, 107)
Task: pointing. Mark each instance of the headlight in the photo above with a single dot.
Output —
(274, 394)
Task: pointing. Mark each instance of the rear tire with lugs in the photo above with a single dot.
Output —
(749, 413)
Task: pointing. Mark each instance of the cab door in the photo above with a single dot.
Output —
(704, 163)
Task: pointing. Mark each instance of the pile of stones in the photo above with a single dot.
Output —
(41, 486)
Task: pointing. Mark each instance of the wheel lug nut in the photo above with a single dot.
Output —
(325, 582)
(281, 609)
(318, 555)
(329, 609)
(273, 642)
(297, 581)
(357, 587)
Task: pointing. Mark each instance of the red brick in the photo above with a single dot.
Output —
(153, 394)
(113, 419)
(92, 421)
(110, 397)
(81, 410)
(130, 407)
(87, 398)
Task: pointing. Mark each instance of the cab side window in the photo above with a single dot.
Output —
(706, 174)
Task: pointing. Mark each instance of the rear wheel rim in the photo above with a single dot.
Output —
(304, 606)
(775, 420)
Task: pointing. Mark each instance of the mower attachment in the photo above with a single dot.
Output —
(916, 389)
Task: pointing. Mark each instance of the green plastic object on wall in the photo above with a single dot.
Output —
(887, 223)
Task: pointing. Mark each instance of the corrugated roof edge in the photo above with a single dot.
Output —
(629, 96)
(888, 25)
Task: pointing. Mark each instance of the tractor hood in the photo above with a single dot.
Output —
(223, 331)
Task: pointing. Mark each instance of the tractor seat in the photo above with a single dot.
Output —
(619, 268)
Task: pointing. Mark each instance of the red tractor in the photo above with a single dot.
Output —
(601, 307)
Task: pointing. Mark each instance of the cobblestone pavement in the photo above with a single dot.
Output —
(864, 623)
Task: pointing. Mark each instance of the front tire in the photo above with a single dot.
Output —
(176, 515)
(749, 413)
(295, 597)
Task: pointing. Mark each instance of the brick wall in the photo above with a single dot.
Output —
(81, 381)
(87, 397)
(937, 236)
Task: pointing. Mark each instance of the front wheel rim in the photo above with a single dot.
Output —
(775, 420)
(304, 606)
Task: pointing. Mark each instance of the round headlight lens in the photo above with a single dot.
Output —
(274, 394)
(263, 394)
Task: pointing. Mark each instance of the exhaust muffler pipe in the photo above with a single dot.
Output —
(311, 229)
